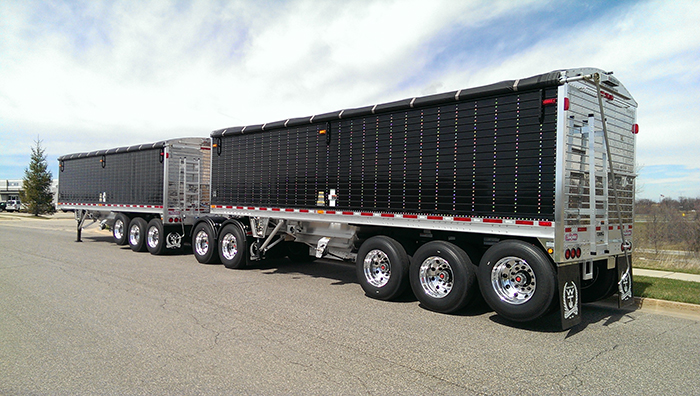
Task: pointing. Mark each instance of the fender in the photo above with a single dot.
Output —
(239, 222)
(214, 222)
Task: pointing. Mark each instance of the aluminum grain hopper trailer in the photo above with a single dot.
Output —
(522, 191)
(150, 195)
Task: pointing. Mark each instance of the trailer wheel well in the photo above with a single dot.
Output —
(216, 223)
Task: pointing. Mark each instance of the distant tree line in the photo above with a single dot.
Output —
(682, 204)
(672, 224)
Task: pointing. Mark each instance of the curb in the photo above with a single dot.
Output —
(651, 305)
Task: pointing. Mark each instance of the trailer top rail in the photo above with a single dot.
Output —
(553, 78)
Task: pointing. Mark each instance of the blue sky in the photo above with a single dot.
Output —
(87, 75)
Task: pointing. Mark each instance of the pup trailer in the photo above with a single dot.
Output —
(522, 191)
(149, 194)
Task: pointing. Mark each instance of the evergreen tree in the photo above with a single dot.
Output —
(37, 193)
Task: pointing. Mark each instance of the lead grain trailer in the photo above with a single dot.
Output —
(522, 191)
(150, 194)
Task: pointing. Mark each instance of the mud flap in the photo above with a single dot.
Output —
(173, 240)
(625, 296)
(569, 295)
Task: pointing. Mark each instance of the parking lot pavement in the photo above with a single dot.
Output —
(96, 318)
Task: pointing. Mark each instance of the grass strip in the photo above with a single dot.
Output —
(667, 289)
(689, 264)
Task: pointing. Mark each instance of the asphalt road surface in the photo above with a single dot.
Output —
(95, 318)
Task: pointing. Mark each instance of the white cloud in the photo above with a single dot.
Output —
(119, 73)
(653, 48)
(102, 74)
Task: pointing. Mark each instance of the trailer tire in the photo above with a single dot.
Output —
(382, 268)
(443, 278)
(233, 247)
(137, 234)
(120, 229)
(204, 244)
(517, 280)
(155, 237)
(601, 286)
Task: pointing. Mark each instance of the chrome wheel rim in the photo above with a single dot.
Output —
(513, 280)
(229, 246)
(134, 235)
(436, 277)
(118, 229)
(377, 268)
(153, 237)
(201, 243)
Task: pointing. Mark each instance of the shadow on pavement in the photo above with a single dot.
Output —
(550, 323)
(343, 273)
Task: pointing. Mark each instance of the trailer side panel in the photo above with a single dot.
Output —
(113, 178)
(491, 156)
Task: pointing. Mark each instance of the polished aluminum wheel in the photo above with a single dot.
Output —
(201, 243)
(436, 277)
(229, 246)
(377, 268)
(153, 237)
(118, 229)
(134, 235)
(513, 280)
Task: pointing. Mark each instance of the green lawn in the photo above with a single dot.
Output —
(667, 289)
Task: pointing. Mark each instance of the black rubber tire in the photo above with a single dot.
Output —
(155, 237)
(383, 285)
(233, 234)
(545, 280)
(204, 245)
(137, 234)
(447, 266)
(121, 224)
(602, 285)
(299, 252)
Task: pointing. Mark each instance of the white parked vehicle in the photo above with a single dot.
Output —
(13, 205)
